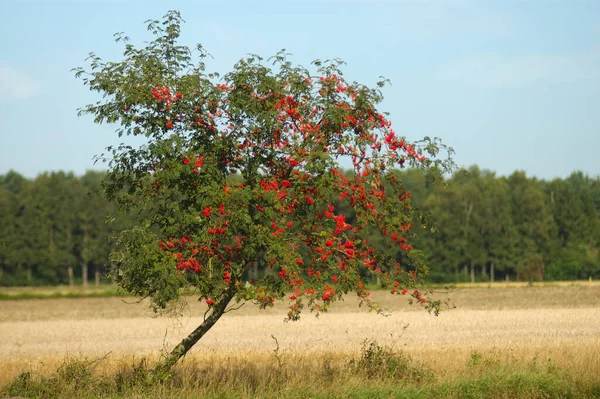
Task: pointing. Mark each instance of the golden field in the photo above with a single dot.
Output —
(508, 325)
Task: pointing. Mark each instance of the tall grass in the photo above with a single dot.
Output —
(375, 372)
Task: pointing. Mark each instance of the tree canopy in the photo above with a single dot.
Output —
(246, 168)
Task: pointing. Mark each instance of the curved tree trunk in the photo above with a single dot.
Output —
(188, 342)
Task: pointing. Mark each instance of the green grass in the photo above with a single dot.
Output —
(110, 290)
(56, 294)
(377, 372)
(516, 384)
(43, 292)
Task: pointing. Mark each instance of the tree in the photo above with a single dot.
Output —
(445, 248)
(245, 169)
(532, 220)
(19, 229)
(7, 220)
(571, 202)
(469, 191)
(498, 231)
(94, 231)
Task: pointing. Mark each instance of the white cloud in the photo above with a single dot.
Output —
(15, 85)
(495, 70)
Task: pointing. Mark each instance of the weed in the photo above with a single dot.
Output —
(383, 362)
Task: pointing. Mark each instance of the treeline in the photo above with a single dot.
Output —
(54, 228)
(513, 227)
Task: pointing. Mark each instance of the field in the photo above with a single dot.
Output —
(501, 341)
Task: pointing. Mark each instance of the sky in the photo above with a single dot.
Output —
(509, 84)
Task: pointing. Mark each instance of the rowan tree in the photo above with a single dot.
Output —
(247, 168)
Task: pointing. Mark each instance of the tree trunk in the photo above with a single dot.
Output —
(29, 275)
(466, 269)
(188, 342)
(70, 273)
(84, 263)
(97, 276)
(507, 277)
(492, 272)
(472, 273)
(84, 274)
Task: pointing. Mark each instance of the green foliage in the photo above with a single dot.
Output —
(531, 268)
(144, 271)
(51, 224)
(246, 168)
(572, 253)
(511, 228)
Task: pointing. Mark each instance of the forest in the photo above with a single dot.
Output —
(59, 229)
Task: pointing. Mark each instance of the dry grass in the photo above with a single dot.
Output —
(523, 284)
(505, 326)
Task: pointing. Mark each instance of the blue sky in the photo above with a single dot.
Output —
(511, 85)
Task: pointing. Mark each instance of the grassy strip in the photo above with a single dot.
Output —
(517, 284)
(377, 372)
(16, 293)
(516, 384)
(59, 294)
